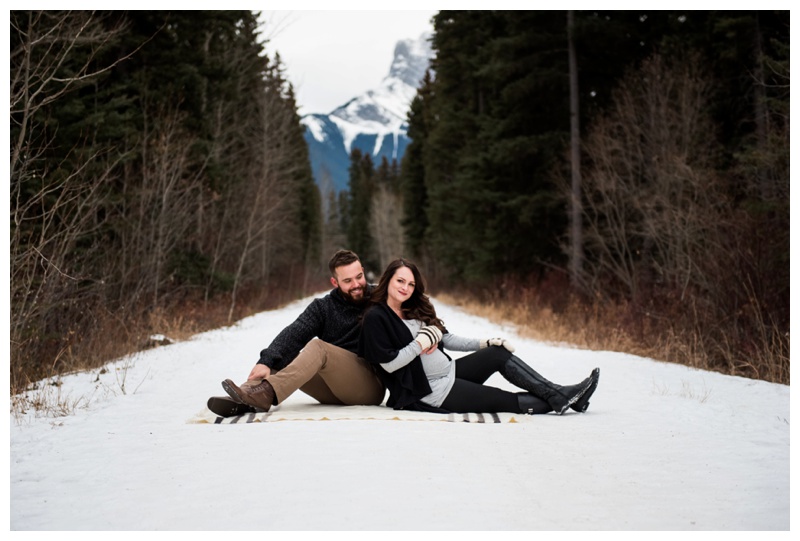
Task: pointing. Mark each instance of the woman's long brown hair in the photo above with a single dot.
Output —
(418, 306)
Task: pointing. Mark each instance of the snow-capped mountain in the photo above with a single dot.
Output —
(374, 122)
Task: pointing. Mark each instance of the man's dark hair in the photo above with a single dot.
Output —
(340, 259)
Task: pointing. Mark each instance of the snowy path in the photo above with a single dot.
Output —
(661, 447)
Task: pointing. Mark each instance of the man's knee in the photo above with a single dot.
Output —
(324, 354)
(313, 353)
(315, 345)
(326, 350)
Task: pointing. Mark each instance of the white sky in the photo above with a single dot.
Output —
(333, 56)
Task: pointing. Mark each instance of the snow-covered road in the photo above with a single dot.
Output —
(662, 447)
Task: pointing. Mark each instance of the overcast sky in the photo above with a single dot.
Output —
(332, 56)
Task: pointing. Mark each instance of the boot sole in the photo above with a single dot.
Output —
(582, 404)
(575, 399)
(231, 390)
(227, 407)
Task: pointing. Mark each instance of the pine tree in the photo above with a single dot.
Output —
(360, 189)
(412, 176)
(164, 158)
(490, 152)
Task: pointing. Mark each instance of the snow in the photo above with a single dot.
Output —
(381, 112)
(662, 447)
(351, 131)
(386, 105)
(315, 126)
(411, 59)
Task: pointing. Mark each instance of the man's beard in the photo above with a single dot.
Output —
(364, 299)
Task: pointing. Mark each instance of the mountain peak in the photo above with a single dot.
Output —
(385, 108)
(374, 122)
(411, 58)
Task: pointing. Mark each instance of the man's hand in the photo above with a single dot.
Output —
(259, 372)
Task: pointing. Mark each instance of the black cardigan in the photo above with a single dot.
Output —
(383, 335)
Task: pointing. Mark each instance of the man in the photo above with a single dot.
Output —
(316, 353)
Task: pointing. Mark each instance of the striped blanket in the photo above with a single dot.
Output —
(321, 412)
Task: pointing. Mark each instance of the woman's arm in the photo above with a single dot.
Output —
(404, 356)
(386, 343)
(460, 343)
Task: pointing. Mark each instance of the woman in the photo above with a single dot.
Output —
(401, 334)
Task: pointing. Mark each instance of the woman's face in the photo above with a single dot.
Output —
(401, 286)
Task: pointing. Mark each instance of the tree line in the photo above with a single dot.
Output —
(643, 155)
(156, 157)
(629, 159)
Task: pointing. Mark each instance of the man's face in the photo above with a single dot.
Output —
(351, 282)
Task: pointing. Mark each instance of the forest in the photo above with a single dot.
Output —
(619, 178)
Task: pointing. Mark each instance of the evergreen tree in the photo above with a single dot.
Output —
(412, 176)
(494, 148)
(361, 188)
(489, 155)
(155, 155)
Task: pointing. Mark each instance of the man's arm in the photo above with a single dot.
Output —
(285, 347)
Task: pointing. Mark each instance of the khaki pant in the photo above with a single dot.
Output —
(329, 374)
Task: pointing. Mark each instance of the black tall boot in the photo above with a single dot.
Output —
(532, 405)
(582, 403)
(560, 398)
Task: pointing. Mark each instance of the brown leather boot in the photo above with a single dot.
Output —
(225, 406)
(235, 395)
(253, 393)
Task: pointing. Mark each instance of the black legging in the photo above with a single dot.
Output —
(470, 395)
